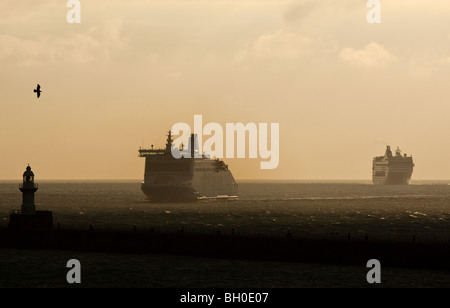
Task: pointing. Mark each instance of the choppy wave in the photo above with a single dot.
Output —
(266, 207)
(347, 198)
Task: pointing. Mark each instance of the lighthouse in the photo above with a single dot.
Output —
(28, 188)
(28, 217)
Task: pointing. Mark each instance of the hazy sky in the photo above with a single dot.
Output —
(340, 88)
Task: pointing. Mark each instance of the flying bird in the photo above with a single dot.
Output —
(38, 90)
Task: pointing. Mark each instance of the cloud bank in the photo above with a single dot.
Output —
(372, 56)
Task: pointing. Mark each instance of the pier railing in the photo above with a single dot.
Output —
(242, 233)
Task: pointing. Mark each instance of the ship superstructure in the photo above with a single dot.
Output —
(185, 179)
(392, 169)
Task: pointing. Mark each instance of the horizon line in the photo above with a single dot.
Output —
(241, 179)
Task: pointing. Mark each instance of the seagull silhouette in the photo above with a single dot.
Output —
(38, 90)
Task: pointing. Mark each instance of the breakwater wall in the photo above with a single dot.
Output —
(348, 249)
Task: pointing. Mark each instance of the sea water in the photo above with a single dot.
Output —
(421, 209)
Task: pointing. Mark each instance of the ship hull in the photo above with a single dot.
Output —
(169, 193)
(184, 193)
(199, 185)
(392, 179)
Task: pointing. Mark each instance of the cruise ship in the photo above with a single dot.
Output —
(167, 179)
(392, 170)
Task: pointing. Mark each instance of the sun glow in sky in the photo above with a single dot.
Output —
(340, 88)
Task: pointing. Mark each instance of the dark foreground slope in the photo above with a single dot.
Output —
(346, 249)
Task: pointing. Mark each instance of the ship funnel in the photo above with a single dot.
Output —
(169, 141)
(388, 151)
(193, 149)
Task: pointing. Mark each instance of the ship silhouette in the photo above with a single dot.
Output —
(167, 179)
(392, 170)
